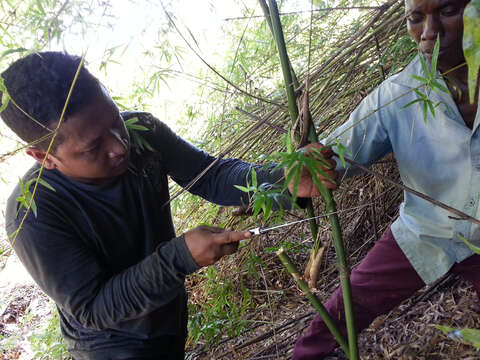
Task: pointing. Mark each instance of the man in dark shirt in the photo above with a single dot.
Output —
(102, 243)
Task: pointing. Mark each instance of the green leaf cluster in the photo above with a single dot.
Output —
(294, 163)
(429, 81)
(223, 313)
(471, 44)
(263, 196)
(26, 196)
(138, 141)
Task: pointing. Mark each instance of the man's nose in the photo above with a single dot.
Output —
(118, 145)
(431, 28)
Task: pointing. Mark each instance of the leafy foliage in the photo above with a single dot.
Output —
(295, 161)
(223, 311)
(473, 248)
(264, 196)
(430, 81)
(138, 141)
(471, 44)
(469, 336)
(47, 342)
(26, 196)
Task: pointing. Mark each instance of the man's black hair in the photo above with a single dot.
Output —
(38, 84)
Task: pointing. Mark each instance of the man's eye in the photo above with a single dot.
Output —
(450, 11)
(414, 18)
(91, 151)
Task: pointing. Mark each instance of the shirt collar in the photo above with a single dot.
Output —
(405, 78)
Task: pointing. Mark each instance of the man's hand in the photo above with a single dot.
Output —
(208, 244)
(306, 186)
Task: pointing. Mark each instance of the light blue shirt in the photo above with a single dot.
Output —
(439, 157)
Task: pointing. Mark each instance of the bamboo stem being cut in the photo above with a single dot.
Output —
(327, 194)
(316, 303)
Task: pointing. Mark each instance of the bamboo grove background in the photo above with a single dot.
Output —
(247, 307)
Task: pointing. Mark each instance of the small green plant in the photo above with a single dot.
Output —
(223, 312)
(47, 342)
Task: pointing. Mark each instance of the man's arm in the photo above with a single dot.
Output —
(75, 277)
(183, 162)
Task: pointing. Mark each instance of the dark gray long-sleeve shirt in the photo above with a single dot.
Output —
(108, 254)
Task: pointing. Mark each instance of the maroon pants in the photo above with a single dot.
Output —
(382, 281)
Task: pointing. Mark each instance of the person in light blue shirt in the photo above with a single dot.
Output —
(438, 156)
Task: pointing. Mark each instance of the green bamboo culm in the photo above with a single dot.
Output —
(316, 303)
(273, 19)
(330, 204)
(266, 12)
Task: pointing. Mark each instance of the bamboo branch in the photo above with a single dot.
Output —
(332, 326)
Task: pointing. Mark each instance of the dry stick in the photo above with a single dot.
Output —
(461, 215)
(355, 37)
(267, 334)
(332, 326)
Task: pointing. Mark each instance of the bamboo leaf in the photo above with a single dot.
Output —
(472, 247)
(410, 103)
(12, 51)
(431, 107)
(5, 97)
(424, 66)
(34, 208)
(471, 336)
(131, 121)
(137, 127)
(242, 188)
(341, 149)
(439, 86)
(254, 177)
(471, 44)
(425, 111)
(420, 78)
(46, 184)
(436, 49)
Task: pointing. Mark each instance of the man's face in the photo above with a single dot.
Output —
(427, 19)
(96, 143)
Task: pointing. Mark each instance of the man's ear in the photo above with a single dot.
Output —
(39, 156)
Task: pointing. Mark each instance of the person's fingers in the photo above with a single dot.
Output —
(230, 248)
(232, 236)
(212, 229)
(329, 185)
(327, 152)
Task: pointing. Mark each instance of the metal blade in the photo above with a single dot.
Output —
(263, 230)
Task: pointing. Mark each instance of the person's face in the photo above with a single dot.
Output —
(96, 144)
(427, 19)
